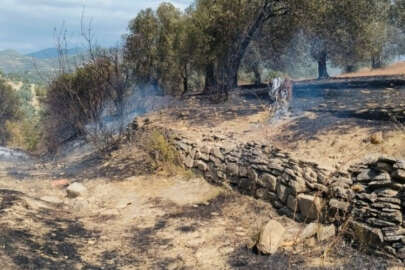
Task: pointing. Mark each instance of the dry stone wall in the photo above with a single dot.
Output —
(368, 200)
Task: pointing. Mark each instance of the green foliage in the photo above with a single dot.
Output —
(73, 100)
(9, 110)
(158, 48)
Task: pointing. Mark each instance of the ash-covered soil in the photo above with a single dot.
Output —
(330, 127)
(149, 221)
(134, 216)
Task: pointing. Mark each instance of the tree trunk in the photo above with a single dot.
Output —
(258, 77)
(210, 79)
(350, 69)
(185, 81)
(230, 66)
(322, 67)
(376, 61)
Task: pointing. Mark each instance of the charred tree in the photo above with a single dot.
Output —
(322, 67)
(210, 79)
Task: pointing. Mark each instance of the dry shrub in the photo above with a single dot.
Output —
(165, 154)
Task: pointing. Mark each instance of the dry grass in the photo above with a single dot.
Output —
(394, 69)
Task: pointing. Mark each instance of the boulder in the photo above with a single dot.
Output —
(310, 206)
(75, 190)
(271, 237)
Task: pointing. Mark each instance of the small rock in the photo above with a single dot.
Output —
(75, 190)
(202, 166)
(271, 237)
(269, 181)
(298, 186)
(366, 175)
(399, 174)
(309, 231)
(326, 232)
(339, 205)
(282, 193)
(61, 183)
(384, 166)
(377, 138)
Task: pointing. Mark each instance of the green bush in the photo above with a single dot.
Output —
(9, 110)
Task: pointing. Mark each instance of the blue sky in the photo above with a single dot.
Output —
(28, 25)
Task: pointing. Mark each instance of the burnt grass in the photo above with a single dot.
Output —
(243, 259)
(56, 249)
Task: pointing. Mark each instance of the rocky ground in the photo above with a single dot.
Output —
(145, 221)
(123, 213)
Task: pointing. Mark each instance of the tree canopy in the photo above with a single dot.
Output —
(208, 43)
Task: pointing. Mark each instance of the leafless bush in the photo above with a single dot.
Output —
(78, 102)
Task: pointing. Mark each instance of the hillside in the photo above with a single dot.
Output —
(53, 53)
(34, 67)
(13, 62)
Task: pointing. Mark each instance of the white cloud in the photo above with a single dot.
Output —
(28, 25)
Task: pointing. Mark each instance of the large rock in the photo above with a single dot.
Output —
(75, 190)
(271, 237)
(366, 235)
(310, 206)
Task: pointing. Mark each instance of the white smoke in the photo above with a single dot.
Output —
(7, 154)
(140, 101)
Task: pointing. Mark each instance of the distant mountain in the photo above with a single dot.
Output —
(13, 62)
(53, 53)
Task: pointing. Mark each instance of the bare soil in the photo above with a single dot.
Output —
(329, 127)
(149, 221)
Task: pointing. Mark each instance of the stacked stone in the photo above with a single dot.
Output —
(296, 188)
(371, 195)
(378, 203)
